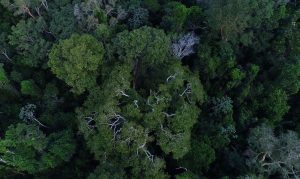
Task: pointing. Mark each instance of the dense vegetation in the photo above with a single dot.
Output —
(149, 89)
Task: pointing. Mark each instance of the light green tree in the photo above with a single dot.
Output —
(77, 61)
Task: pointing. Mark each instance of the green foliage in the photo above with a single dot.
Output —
(28, 87)
(152, 5)
(76, 61)
(175, 17)
(22, 7)
(228, 17)
(6, 88)
(26, 148)
(62, 25)
(4, 81)
(195, 18)
(288, 78)
(200, 156)
(103, 32)
(26, 36)
(276, 105)
(231, 18)
(149, 43)
(149, 89)
(107, 171)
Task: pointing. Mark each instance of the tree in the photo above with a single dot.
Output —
(143, 49)
(148, 43)
(185, 45)
(27, 114)
(271, 154)
(28, 40)
(152, 5)
(127, 131)
(25, 7)
(231, 18)
(26, 148)
(195, 19)
(200, 156)
(91, 13)
(276, 106)
(228, 17)
(139, 17)
(4, 81)
(77, 61)
(28, 87)
(221, 105)
(288, 78)
(5, 49)
(5, 84)
(107, 171)
(175, 17)
(62, 23)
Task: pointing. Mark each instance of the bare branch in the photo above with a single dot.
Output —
(135, 102)
(171, 77)
(180, 168)
(188, 90)
(169, 115)
(143, 148)
(115, 124)
(2, 160)
(4, 52)
(45, 4)
(122, 93)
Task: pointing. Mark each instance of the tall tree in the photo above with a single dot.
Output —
(77, 61)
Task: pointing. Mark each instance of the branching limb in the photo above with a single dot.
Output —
(169, 115)
(2, 160)
(39, 123)
(171, 77)
(158, 99)
(135, 102)
(143, 148)
(4, 53)
(181, 168)
(187, 90)
(115, 125)
(122, 93)
(45, 4)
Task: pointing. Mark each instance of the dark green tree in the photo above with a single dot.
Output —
(26, 148)
(28, 40)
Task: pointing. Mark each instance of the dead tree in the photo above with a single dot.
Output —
(27, 114)
(185, 45)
